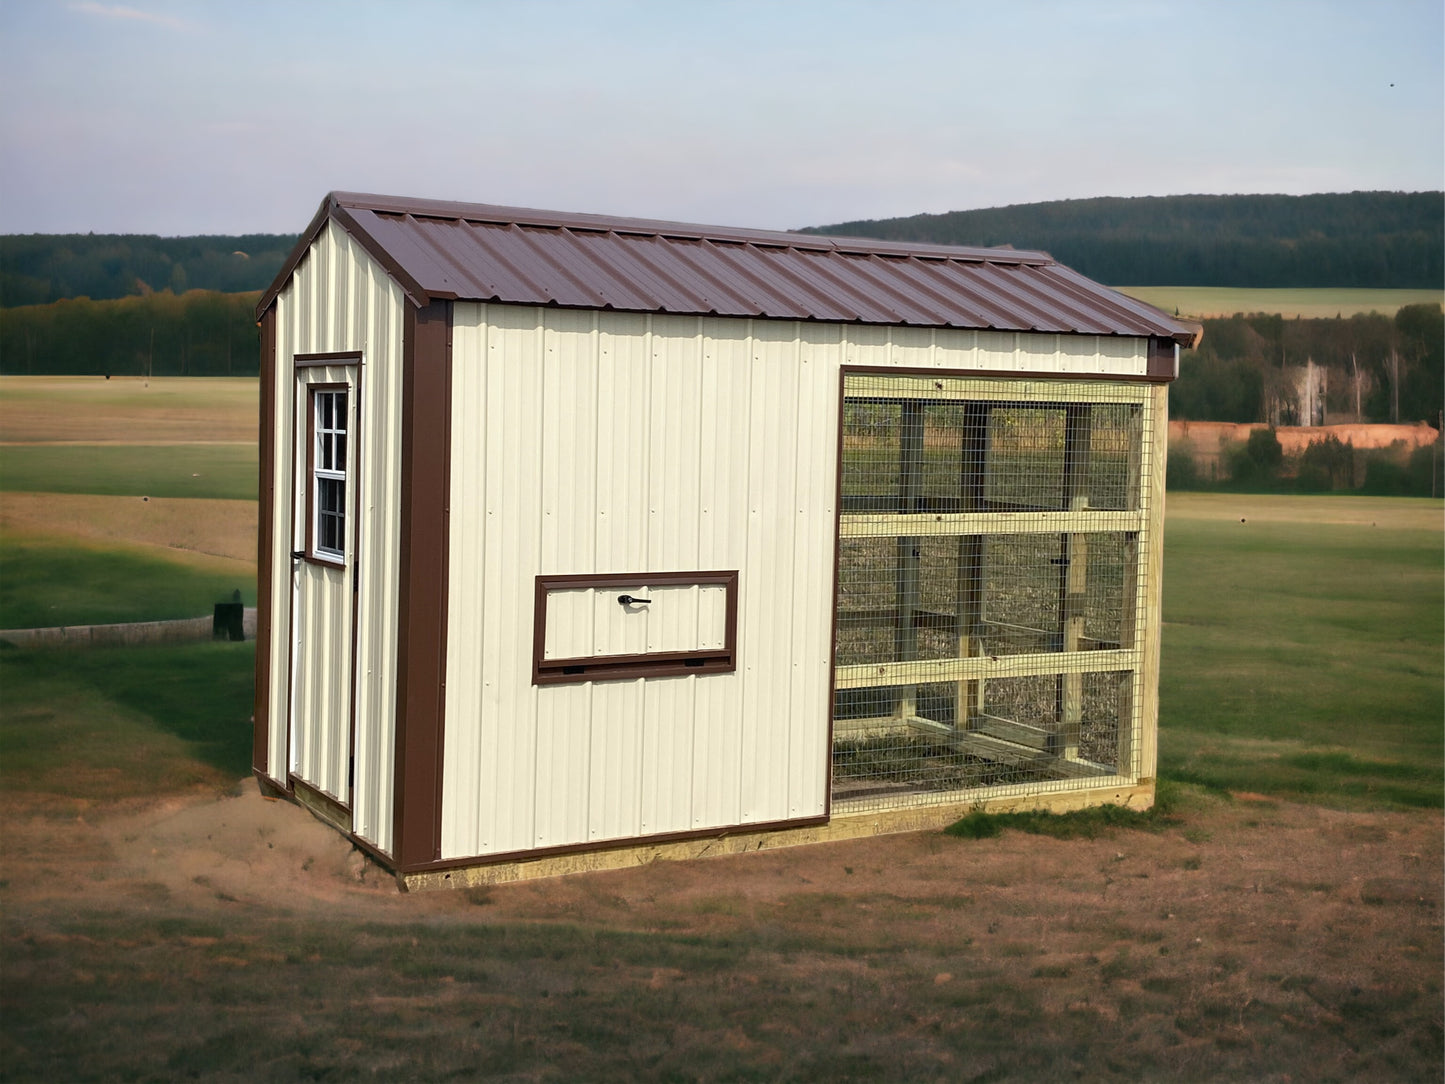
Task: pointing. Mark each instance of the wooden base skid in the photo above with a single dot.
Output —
(842, 826)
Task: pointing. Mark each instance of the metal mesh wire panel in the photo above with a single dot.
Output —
(991, 554)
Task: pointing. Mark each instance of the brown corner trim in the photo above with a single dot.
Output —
(623, 843)
(681, 663)
(1163, 363)
(266, 522)
(270, 788)
(422, 588)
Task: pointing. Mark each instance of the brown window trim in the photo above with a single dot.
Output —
(649, 664)
(309, 552)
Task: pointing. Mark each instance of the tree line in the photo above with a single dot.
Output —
(1380, 368)
(39, 268)
(196, 333)
(1355, 239)
(1393, 240)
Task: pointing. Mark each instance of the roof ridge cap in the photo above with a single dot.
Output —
(498, 214)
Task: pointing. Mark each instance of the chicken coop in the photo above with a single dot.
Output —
(589, 540)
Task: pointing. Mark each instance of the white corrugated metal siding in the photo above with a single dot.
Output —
(320, 622)
(339, 299)
(600, 442)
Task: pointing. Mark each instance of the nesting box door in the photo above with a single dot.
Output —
(323, 567)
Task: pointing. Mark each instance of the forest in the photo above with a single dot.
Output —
(1396, 365)
(1383, 240)
(37, 268)
(1379, 368)
(197, 333)
(128, 305)
(1355, 239)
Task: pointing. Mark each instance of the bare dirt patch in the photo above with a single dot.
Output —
(240, 937)
(181, 526)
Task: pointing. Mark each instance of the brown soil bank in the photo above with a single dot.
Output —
(239, 939)
(1210, 438)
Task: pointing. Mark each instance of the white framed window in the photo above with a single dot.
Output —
(329, 448)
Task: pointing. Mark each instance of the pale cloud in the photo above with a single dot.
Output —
(120, 11)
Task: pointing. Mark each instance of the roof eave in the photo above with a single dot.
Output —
(333, 208)
(297, 254)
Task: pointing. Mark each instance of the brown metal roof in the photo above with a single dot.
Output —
(476, 252)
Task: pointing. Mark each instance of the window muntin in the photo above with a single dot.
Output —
(328, 473)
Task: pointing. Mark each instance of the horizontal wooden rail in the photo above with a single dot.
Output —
(925, 524)
(928, 671)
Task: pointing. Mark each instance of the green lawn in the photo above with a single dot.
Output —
(46, 583)
(1302, 647)
(133, 470)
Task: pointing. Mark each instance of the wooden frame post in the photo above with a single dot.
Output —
(968, 694)
(1073, 578)
(910, 487)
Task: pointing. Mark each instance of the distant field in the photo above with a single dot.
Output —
(193, 530)
(140, 470)
(1204, 301)
(128, 410)
(1302, 647)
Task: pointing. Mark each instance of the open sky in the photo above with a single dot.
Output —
(173, 117)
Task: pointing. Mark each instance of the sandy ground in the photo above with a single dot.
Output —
(264, 852)
(1257, 940)
(184, 527)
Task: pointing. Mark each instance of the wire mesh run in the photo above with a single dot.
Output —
(990, 570)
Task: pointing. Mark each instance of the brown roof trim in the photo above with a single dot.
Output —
(422, 604)
(261, 717)
(298, 252)
(415, 292)
(440, 250)
(648, 227)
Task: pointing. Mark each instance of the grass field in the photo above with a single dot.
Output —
(157, 927)
(125, 722)
(1203, 301)
(226, 471)
(98, 524)
(1302, 647)
(1240, 938)
(126, 410)
(48, 581)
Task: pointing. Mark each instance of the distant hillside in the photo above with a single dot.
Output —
(1386, 240)
(37, 268)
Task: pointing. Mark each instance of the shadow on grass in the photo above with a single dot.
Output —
(45, 584)
(123, 710)
(1078, 824)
